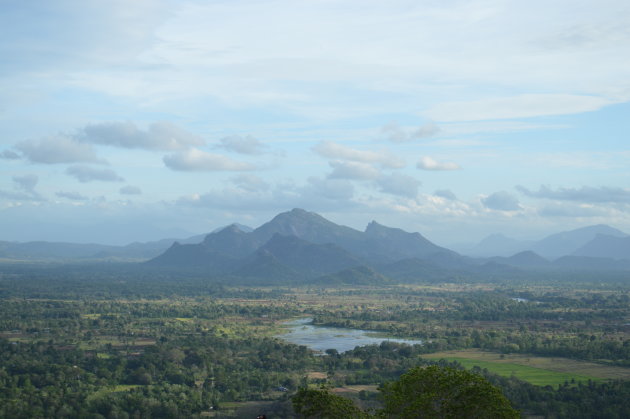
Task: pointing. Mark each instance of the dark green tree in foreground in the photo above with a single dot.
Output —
(442, 392)
(321, 403)
(429, 392)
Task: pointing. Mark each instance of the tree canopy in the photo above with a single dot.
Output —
(422, 392)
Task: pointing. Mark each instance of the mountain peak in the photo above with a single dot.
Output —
(376, 228)
(373, 226)
(234, 228)
(300, 211)
(305, 225)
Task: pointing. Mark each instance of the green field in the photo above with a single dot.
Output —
(537, 376)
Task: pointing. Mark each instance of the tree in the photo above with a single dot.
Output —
(443, 392)
(429, 392)
(322, 404)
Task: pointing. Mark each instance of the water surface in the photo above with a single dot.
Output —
(320, 338)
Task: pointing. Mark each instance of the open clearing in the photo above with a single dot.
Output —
(534, 369)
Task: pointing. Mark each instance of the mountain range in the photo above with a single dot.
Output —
(594, 241)
(299, 245)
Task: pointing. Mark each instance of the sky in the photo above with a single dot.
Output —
(126, 121)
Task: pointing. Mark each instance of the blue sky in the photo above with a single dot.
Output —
(124, 121)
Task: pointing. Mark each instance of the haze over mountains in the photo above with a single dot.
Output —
(556, 245)
(302, 244)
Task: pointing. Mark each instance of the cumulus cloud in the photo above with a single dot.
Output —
(158, 136)
(130, 190)
(501, 201)
(316, 194)
(250, 183)
(195, 160)
(26, 182)
(394, 133)
(340, 152)
(583, 194)
(74, 196)
(242, 145)
(427, 163)
(56, 150)
(353, 170)
(9, 155)
(446, 194)
(88, 174)
(397, 184)
(25, 189)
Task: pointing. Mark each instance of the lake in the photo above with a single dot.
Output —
(320, 338)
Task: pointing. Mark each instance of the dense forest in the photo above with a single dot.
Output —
(125, 346)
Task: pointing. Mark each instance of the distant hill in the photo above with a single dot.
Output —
(605, 246)
(567, 242)
(304, 245)
(526, 259)
(309, 258)
(50, 250)
(42, 250)
(311, 227)
(551, 247)
(394, 244)
(497, 245)
(584, 263)
(265, 268)
(299, 246)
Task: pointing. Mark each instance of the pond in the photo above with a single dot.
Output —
(320, 338)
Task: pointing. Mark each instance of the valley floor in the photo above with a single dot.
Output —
(112, 347)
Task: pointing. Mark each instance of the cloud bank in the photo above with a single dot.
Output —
(158, 136)
(195, 160)
(86, 174)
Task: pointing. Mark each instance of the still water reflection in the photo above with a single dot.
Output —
(320, 338)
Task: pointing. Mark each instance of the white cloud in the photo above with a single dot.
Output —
(501, 201)
(521, 106)
(427, 163)
(158, 136)
(446, 194)
(586, 194)
(394, 133)
(56, 150)
(572, 210)
(243, 145)
(316, 194)
(88, 174)
(337, 151)
(353, 170)
(195, 160)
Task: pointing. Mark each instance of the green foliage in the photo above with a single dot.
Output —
(443, 392)
(322, 404)
(423, 392)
